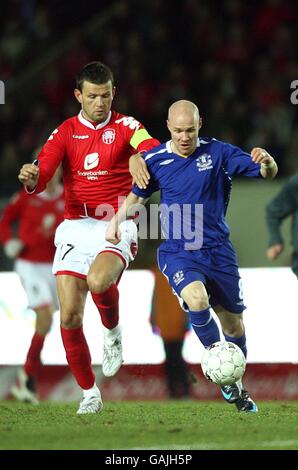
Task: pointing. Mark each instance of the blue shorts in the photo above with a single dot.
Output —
(216, 267)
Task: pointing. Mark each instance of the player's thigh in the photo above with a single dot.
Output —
(72, 293)
(231, 322)
(195, 296)
(105, 270)
(185, 277)
(125, 250)
(111, 260)
(77, 243)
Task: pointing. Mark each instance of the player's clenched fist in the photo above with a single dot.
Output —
(113, 232)
(29, 175)
(260, 155)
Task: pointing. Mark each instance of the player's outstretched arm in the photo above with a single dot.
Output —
(269, 167)
(138, 170)
(113, 232)
(28, 175)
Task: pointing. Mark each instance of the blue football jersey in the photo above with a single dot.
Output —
(195, 190)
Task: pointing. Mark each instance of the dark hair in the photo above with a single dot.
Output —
(94, 72)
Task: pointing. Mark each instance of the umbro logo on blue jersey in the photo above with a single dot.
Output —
(166, 162)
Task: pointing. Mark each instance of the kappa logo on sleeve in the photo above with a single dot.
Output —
(129, 121)
(52, 135)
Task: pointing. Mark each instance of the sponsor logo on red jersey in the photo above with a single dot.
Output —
(91, 161)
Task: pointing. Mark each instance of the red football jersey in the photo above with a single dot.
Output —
(94, 159)
(38, 217)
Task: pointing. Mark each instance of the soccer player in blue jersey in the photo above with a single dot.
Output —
(194, 177)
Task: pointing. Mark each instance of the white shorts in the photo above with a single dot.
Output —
(38, 282)
(79, 241)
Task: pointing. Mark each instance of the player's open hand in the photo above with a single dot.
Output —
(274, 251)
(260, 155)
(113, 232)
(138, 170)
(28, 175)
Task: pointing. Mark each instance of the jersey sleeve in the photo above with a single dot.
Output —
(10, 214)
(136, 134)
(50, 157)
(238, 162)
(151, 188)
(142, 141)
(146, 193)
(285, 203)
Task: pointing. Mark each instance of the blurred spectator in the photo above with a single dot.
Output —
(31, 245)
(171, 323)
(283, 205)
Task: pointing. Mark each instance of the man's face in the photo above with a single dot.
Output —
(184, 129)
(96, 100)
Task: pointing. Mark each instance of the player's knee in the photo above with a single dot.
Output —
(234, 328)
(98, 283)
(197, 302)
(70, 319)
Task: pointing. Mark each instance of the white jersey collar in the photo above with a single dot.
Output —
(90, 125)
(169, 148)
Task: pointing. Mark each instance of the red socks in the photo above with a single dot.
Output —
(76, 347)
(33, 363)
(78, 356)
(108, 306)
(75, 344)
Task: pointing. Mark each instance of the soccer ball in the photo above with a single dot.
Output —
(223, 363)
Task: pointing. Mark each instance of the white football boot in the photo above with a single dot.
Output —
(91, 402)
(25, 390)
(112, 352)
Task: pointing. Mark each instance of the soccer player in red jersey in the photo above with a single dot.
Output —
(32, 247)
(94, 148)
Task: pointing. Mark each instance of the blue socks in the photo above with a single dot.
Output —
(207, 330)
(241, 342)
(205, 327)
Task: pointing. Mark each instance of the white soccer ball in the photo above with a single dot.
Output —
(223, 363)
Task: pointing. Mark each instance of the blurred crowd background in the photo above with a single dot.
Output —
(236, 59)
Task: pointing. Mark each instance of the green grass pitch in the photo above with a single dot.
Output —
(177, 425)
